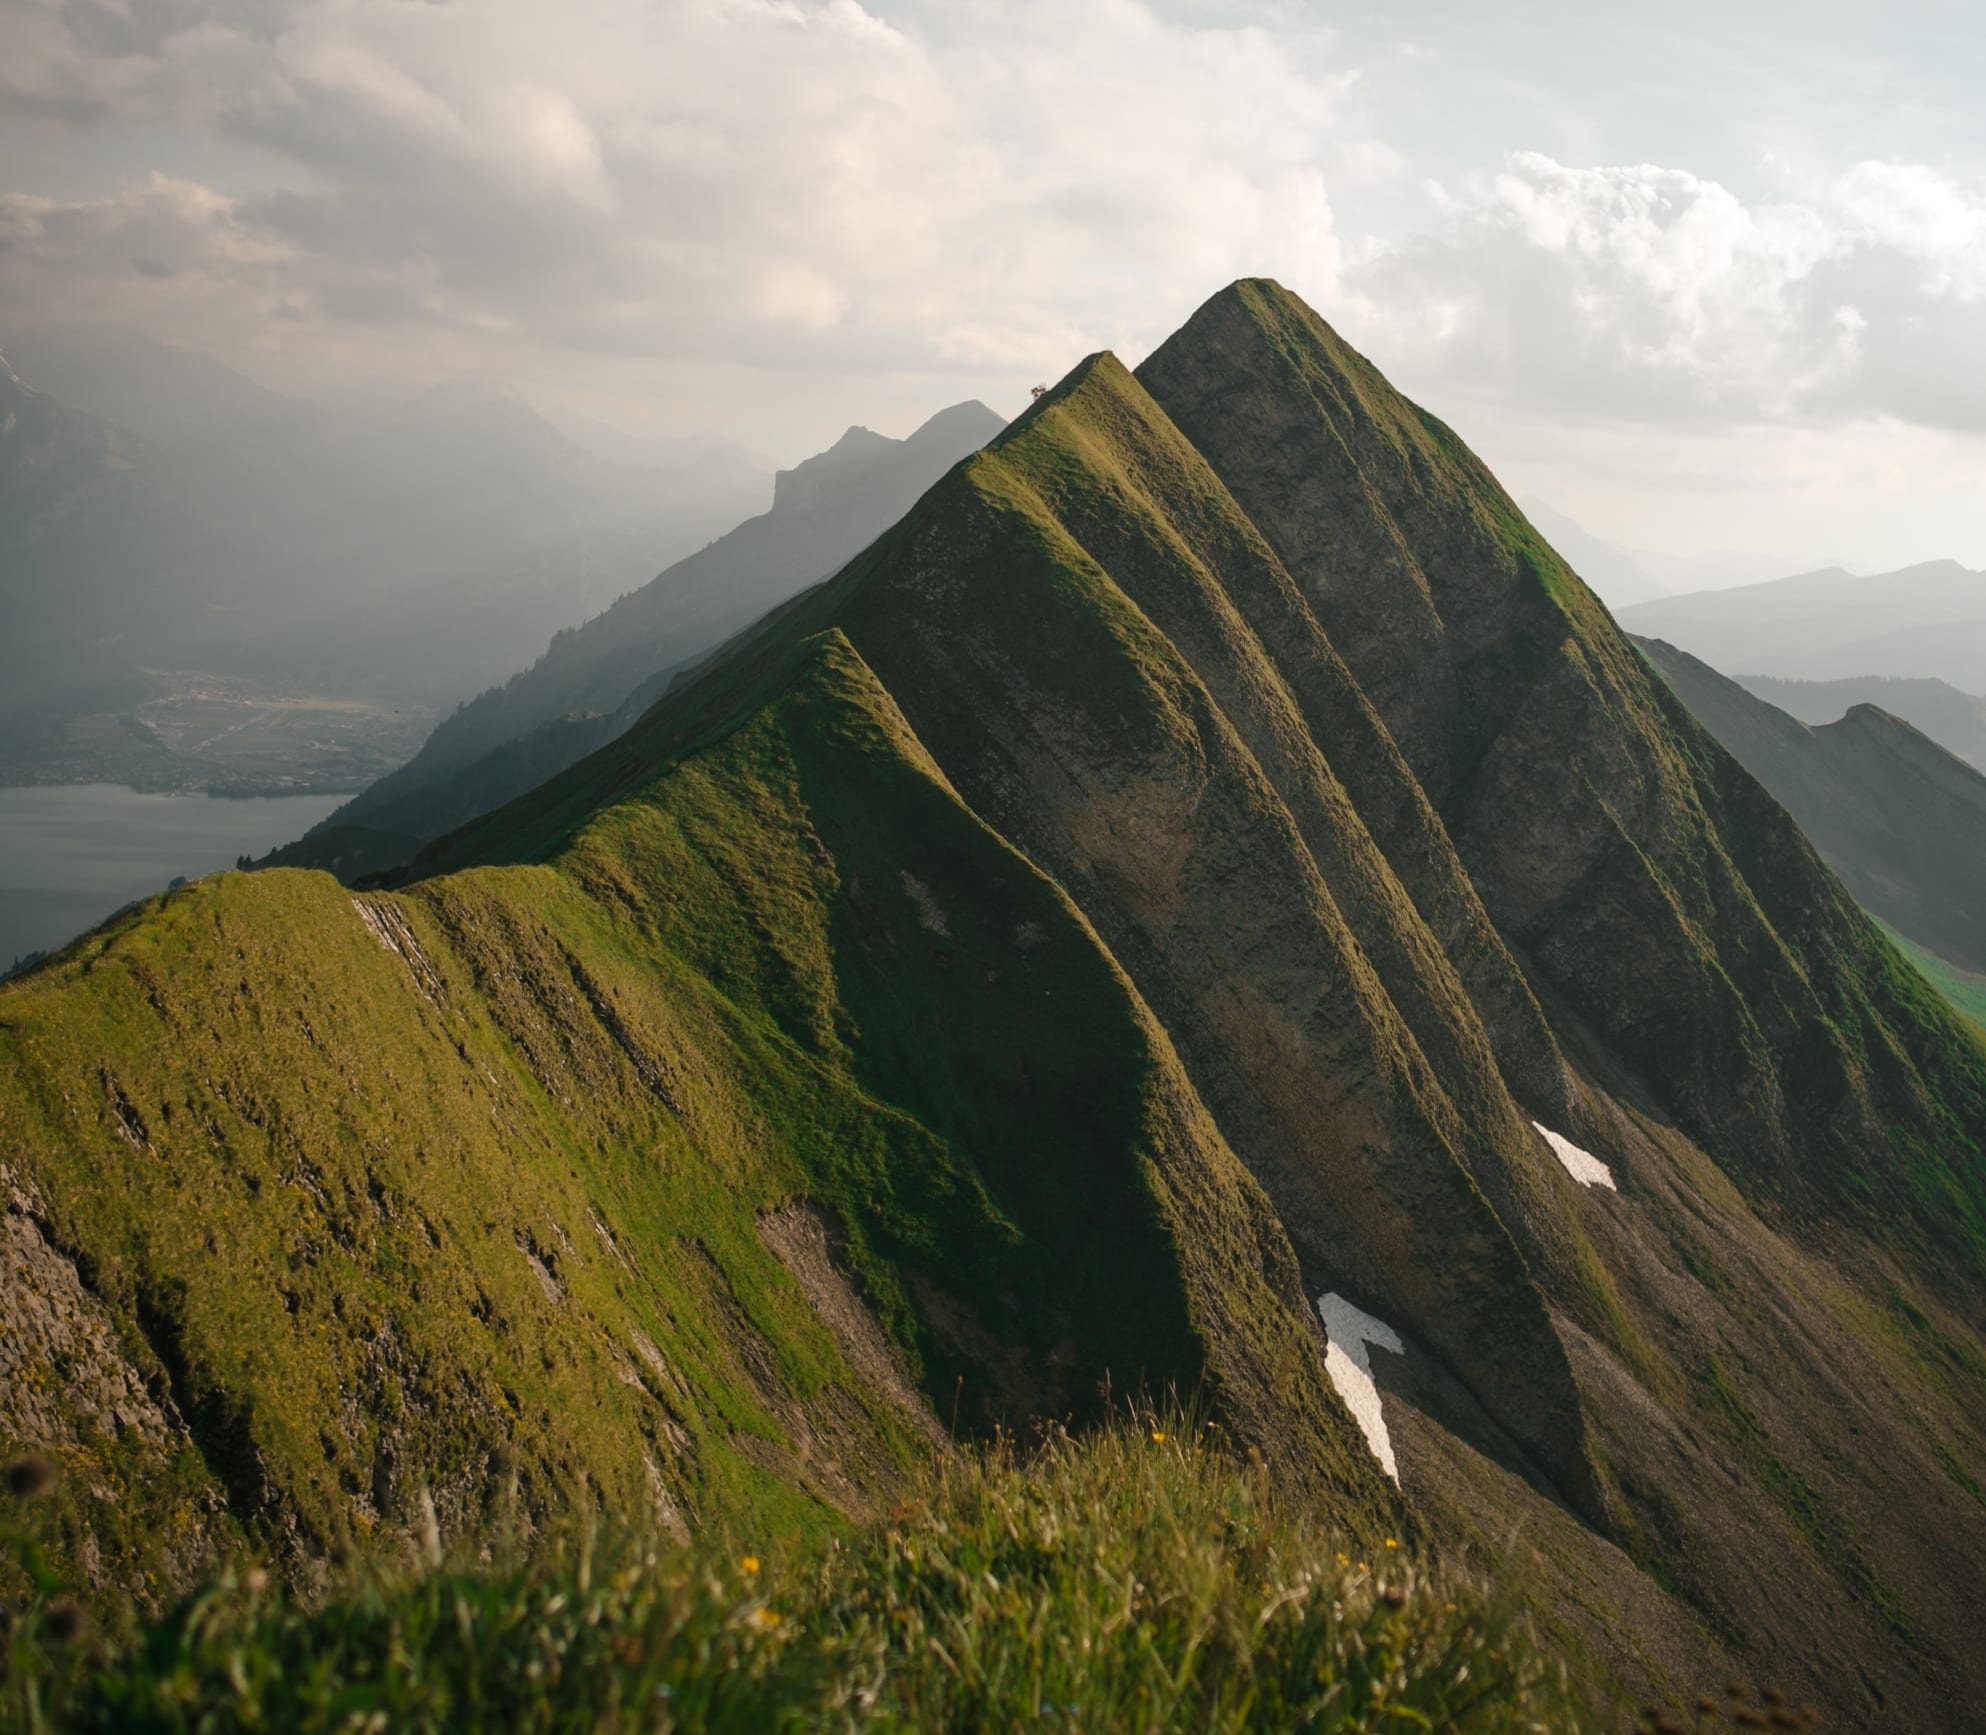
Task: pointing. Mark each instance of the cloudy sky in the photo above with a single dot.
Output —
(1710, 281)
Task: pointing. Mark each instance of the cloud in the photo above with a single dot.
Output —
(968, 185)
(1649, 293)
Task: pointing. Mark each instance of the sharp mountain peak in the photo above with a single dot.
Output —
(1207, 870)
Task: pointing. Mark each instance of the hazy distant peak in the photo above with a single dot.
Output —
(1946, 568)
(856, 448)
(970, 420)
(468, 394)
(855, 441)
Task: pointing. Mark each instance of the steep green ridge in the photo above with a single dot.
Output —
(1651, 887)
(483, 1161)
(1152, 887)
(1146, 688)
(1900, 819)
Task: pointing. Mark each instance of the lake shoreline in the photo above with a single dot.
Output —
(72, 855)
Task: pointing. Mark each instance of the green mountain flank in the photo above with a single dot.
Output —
(1965, 989)
(1900, 819)
(1208, 902)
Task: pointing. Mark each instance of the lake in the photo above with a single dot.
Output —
(71, 854)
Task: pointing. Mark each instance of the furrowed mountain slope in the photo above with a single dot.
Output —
(1155, 897)
(1901, 820)
(1141, 684)
(1653, 890)
(504, 1172)
(595, 680)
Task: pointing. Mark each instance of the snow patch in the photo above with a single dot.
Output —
(1582, 1166)
(1349, 1363)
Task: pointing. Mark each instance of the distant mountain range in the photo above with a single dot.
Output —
(104, 565)
(1897, 816)
(594, 681)
(1926, 621)
(413, 555)
(1955, 720)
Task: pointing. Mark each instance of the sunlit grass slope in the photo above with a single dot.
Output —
(1130, 1581)
(1963, 988)
(396, 1197)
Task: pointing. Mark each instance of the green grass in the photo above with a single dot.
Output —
(1137, 1579)
(1963, 988)
(503, 1203)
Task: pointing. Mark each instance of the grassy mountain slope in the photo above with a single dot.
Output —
(1655, 893)
(1901, 820)
(1157, 884)
(1127, 677)
(488, 1165)
(1965, 989)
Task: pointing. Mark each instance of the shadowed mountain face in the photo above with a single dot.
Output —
(595, 681)
(1902, 821)
(1955, 720)
(1924, 622)
(1209, 872)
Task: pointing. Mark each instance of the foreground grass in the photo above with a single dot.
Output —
(1133, 1580)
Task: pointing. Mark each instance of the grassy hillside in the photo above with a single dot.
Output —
(1965, 989)
(488, 1164)
(1209, 869)
(1136, 1580)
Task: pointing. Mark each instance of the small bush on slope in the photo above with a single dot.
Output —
(1131, 1580)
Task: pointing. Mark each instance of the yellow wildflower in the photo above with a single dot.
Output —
(749, 1565)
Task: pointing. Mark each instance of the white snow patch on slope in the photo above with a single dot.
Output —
(1582, 1166)
(1349, 1363)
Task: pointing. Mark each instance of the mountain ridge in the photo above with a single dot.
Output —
(1208, 870)
(1900, 818)
(1921, 621)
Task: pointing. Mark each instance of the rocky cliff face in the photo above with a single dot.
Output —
(1208, 878)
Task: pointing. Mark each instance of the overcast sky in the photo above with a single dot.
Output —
(1714, 280)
